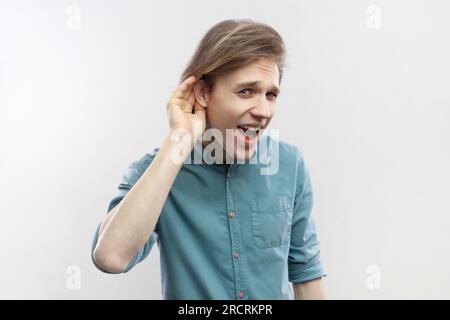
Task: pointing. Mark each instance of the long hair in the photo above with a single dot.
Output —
(231, 44)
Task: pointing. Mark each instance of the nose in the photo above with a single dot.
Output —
(262, 110)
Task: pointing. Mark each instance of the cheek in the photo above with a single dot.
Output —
(224, 115)
(218, 117)
(236, 108)
(273, 111)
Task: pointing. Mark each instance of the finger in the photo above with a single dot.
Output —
(184, 88)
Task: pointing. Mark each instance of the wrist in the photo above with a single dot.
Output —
(179, 144)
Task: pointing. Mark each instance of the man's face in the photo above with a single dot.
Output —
(243, 100)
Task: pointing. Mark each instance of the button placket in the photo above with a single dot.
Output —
(235, 236)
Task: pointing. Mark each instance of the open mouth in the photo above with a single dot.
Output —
(247, 133)
(249, 130)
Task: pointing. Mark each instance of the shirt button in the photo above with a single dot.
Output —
(241, 294)
(232, 214)
(237, 254)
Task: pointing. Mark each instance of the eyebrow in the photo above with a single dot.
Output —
(254, 84)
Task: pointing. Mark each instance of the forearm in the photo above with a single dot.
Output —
(309, 290)
(128, 226)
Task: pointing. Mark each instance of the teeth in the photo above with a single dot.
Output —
(251, 133)
(249, 128)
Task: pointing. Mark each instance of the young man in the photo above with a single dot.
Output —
(225, 227)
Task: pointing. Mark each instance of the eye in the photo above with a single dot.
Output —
(245, 90)
(274, 95)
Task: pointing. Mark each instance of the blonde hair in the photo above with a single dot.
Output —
(231, 44)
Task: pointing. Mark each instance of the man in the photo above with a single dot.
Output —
(226, 228)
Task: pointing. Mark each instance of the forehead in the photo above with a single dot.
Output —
(263, 70)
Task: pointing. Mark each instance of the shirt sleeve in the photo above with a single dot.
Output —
(304, 261)
(129, 178)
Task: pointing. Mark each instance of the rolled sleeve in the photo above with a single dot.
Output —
(304, 262)
(129, 178)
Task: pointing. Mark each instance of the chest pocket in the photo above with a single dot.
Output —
(271, 220)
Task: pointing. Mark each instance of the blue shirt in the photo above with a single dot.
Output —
(230, 231)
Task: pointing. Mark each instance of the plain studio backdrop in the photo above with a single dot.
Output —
(83, 89)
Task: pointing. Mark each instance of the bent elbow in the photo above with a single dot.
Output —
(109, 263)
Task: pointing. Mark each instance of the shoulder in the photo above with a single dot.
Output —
(288, 152)
(138, 167)
(291, 160)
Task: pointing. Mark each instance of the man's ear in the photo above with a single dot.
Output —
(201, 93)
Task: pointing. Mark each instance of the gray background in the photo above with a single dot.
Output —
(83, 88)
